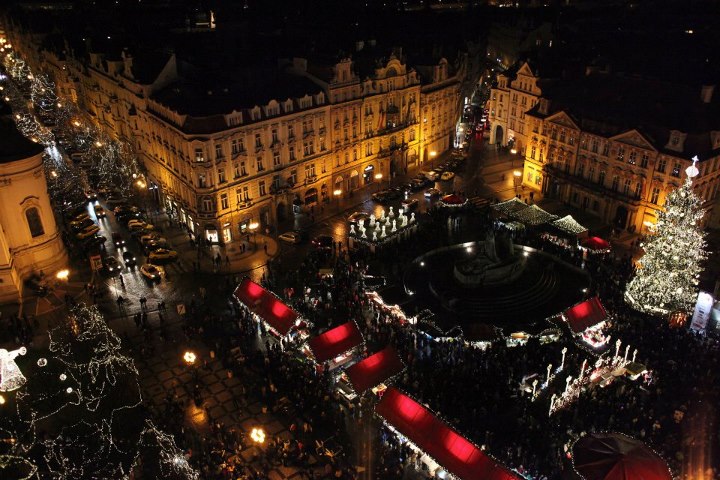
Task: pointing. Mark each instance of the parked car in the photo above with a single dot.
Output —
(356, 217)
(432, 192)
(410, 204)
(431, 175)
(90, 195)
(323, 242)
(129, 258)
(88, 232)
(118, 239)
(151, 272)
(162, 255)
(447, 176)
(111, 264)
(94, 241)
(381, 196)
(290, 237)
(99, 211)
(136, 224)
(81, 224)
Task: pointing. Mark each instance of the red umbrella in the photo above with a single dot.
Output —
(595, 243)
(614, 456)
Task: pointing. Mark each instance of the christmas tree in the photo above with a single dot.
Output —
(668, 273)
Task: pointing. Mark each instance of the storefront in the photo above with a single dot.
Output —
(211, 233)
(369, 174)
(227, 232)
(354, 180)
(311, 197)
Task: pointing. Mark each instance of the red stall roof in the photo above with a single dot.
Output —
(585, 314)
(266, 305)
(335, 342)
(595, 243)
(614, 456)
(451, 450)
(375, 369)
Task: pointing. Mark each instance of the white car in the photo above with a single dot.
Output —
(152, 272)
(447, 176)
(290, 237)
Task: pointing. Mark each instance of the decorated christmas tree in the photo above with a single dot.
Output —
(668, 273)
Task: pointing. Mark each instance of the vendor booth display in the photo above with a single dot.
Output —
(388, 227)
(595, 245)
(587, 320)
(570, 226)
(278, 317)
(614, 456)
(533, 216)
(509, 207)
(375, 369)
(430, 435)
(335, 345)
(452, 201)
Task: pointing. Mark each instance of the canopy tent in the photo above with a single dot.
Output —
(533, 216)
(569, 225)
(453, 200)
(614, 456)
(266, 305)
(595, 243)
(510, 206)
(375, 369)
(335, 342)
(585, 314)
(448, 448)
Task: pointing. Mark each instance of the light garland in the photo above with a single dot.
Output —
(159, 457)
(669, 271)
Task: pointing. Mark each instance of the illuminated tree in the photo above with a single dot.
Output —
(668, 273)
(159, 457)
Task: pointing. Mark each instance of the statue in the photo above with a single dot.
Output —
(374, 236)
(372, 220)
(352, 229)
(412, 217)
(391, 214)
(394, 228)
(383, 234)
(400, 212)
(404, 220)
(377, 226)
(382, 215)
(11, 378)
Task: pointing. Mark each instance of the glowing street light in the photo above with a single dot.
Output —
(189, 357)
(76, 123)
(258, 435)
(53, 174)
(63, 274)
(98, 144)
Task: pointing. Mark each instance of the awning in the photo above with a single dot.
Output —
(375, 369)
(266, 305)
(595, 243)
(448, 448)
(584, 315)
(335, 342)
(533, 216)
(614, 456)
(509, 206)
(569, 225)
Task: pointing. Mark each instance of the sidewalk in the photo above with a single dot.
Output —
(233, 260)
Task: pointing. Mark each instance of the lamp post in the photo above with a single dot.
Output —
(378, 177)
(338, 193)
(433, 154)
(253, 228)
(517, 180)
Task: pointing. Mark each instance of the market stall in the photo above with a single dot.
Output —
(374, 370)
(570, 227)
(452, 200)
(586, 321)
(615, 456)
(279, 319)
(508, 207)
(386, 228)
(533, 216)
(442, 447)
(336, 347)
(595, 245)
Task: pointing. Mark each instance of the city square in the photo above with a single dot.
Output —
(334, 250)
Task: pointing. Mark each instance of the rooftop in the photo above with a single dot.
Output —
(13, 144)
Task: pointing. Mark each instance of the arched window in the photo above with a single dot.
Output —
(34, 223)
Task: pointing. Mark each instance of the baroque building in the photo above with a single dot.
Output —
(613, 146)
(256, 152)
(30, 243)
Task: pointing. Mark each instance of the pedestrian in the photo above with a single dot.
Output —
(122, 280)
(227, 259)
(265, 247)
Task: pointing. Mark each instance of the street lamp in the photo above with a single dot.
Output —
(253, 228)
(189, 357)
(63, 274)
(517, 179)
(257, 435)
(378, 177)
(433, 154)
(337, 192)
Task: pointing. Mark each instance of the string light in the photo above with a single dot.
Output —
(160, 457)
(669, 271)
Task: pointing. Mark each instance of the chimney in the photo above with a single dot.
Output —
(706, 93)
(544, 106)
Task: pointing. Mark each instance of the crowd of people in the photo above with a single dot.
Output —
(477, 391)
